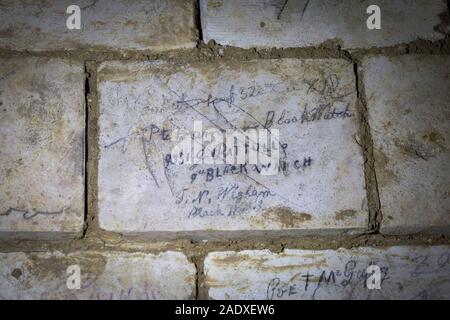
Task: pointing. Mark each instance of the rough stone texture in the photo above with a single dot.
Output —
(105, 24)
(41, 147)
(409, 115)
(302, 23)
(406, 273)
(110, 275)
(322, 187)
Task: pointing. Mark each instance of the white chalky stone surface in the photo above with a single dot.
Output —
(311, 102)
(303, 23)
(105, 25)
(405, 273)
(42, 120)
(409, 115)
(104, 276)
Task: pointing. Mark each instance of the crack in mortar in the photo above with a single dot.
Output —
(198, 21)
(366, 142)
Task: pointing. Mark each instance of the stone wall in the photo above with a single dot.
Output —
(87, 175)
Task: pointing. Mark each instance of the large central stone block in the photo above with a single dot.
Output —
(317, 183)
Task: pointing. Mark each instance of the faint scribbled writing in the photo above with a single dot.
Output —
(27, 214)
(313, 282)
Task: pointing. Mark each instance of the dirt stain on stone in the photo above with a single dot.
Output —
(427, 147)
(345, 214)
(445, 21)
(55, 266)
(16, 273)
(287, 217)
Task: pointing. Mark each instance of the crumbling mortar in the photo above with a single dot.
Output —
(201, 291)
(212, 51)
(373, 197)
